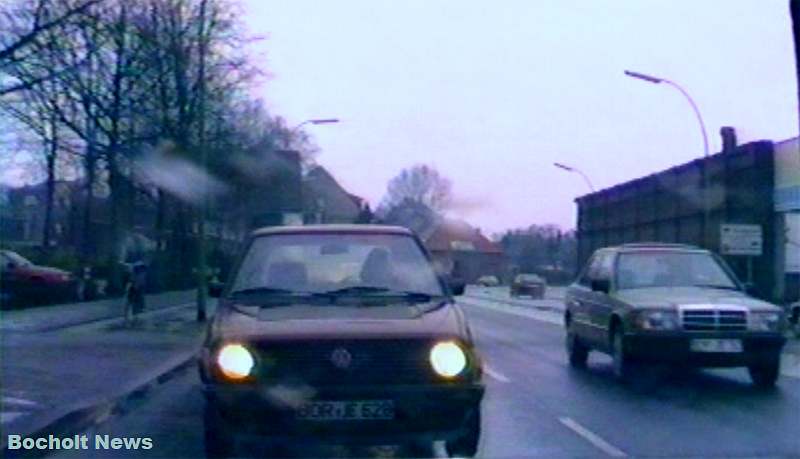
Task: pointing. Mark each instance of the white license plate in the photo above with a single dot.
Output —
(716, 345)
(354, 410)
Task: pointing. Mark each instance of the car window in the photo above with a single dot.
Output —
(585, 278)
(321, 263)
(671, 269)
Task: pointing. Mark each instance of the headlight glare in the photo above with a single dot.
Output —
(765, 321)
(448, 359)
(235, 361)
(657, 320)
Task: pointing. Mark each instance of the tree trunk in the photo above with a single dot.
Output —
(51, 186)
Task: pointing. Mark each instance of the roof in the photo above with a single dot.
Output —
(322, 229)
(457, 235)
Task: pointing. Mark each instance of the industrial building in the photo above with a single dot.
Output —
(747, 209)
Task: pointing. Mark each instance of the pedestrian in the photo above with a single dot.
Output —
(135, 287)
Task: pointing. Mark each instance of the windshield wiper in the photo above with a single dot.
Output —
(716, 286)
(416, 297)
(266, 291)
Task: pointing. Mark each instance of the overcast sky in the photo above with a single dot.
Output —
(492, 93)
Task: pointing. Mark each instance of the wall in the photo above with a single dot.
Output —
(787, 207)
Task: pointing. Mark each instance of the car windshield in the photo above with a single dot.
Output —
(672, 269)
(528, 278)
(17, 259)
(340, 264)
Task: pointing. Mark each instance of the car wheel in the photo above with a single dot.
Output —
(218, 440)
(622, 364)
(765, 374)
(466, 445)
(578, 353)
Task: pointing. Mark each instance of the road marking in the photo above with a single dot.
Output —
(494, 374)
(592, 438)
(8, 416)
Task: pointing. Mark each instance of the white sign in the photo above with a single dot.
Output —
(741, 240)
(792, 242)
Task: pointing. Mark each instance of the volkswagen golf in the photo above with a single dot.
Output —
(339, 334)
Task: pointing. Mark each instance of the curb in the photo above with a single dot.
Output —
(75, 420)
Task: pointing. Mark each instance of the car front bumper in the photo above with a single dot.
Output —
(425, 412)
(675, 348)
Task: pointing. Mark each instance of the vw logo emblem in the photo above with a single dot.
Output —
(341, 358)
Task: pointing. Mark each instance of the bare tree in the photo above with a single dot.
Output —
(24, 25)
(420, 184)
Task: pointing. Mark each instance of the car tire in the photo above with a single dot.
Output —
(218, 441)
(577, 353)
(466, 445)
(765, 375)
(621, 363)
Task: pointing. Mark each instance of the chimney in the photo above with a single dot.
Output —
(728, 139)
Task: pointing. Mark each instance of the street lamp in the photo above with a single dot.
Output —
(577, 171)
(314, 121)
(706, 196)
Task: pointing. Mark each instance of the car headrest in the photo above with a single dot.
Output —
(288, 274)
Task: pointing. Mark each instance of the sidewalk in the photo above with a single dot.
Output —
(48, 318)
(47, 377)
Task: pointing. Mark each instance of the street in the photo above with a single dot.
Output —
(536, 406)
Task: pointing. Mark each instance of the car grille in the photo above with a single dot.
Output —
(714, 319)
(371, 362)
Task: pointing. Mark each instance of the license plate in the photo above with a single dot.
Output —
(354, 410)
(716, 345)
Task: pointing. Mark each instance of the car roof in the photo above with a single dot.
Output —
(332, 229)
(659, 246)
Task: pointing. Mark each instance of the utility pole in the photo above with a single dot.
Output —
(794, 8)
(202, 269)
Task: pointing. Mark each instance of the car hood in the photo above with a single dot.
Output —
(307, 321)
(659, 297)
(43, 270)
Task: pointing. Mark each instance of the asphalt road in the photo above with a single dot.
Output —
(536, 406)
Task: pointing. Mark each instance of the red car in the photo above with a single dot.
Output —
(340, 333)
(22, 282)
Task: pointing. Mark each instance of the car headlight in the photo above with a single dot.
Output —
(448, 359)
(657, 320)
(765, 321)
(235, 361)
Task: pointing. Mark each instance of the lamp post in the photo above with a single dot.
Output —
(706, 195)
(314, 121)
(577, 171)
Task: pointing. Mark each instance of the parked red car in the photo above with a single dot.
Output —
(22, 282)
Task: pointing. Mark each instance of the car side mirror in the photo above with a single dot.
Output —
(750, 288)
(455, 285)
(601, 285)
(215, 289)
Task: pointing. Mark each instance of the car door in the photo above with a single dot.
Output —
(601, 304)
(579, 298)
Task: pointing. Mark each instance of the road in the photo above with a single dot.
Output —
(536, 406)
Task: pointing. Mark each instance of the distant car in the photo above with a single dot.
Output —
(673, 304)
(528, 284)
(339, 333)
(488, 281)
(22, 281)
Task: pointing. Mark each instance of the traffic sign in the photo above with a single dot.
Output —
(738, 239)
